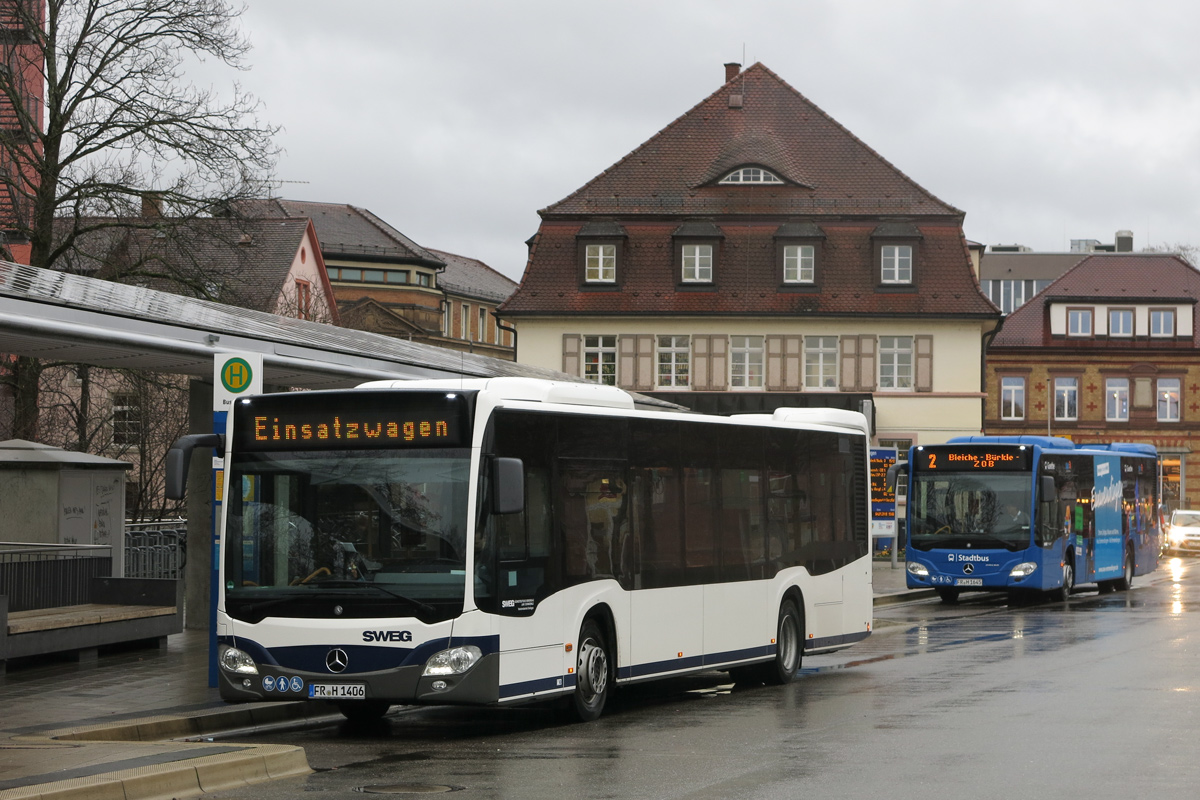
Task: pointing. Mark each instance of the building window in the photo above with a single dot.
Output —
(1120, 322)
(1116, 399)
(897, 263)
(481, 331)
(464, 321)
(1066, 399)
(600, 359)
(126, 420)
(1162, 322)
(895, 362)
(697, 263)
(799, 261)
(424, 279)
(746, 362)
(1168, 399)
(399, 276)
(601, 263)
(1012, 398)
(447, 319)
(673, 361)
(820, 362)
(1079, 322)
(750, 175)
(303, 299)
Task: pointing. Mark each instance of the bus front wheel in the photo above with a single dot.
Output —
(361, 712)
(1064, 591)
(789, 644)
(592, 672)
(949, 594)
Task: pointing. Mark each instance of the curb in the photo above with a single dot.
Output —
(187, 776)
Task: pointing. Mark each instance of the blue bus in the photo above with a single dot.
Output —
(1030, 514)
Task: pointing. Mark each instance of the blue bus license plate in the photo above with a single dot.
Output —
(969, 582)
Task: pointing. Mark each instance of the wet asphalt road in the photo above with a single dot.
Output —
(1095, 698)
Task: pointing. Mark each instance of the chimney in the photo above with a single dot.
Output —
(731, 70)
(152, 204)
(1124, 241)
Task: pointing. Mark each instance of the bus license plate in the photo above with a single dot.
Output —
(337, 691)
(969, 582)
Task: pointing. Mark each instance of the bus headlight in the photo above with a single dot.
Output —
(918, 570)
(1023, 570)
(234, 660)
(454, 661)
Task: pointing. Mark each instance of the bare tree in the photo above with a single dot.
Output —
(120, 130)
(1188, 252)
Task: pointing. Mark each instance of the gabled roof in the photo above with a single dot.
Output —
(1109, 278)
(470, 277)
(831, 171)
(346, 231)
(245, 261)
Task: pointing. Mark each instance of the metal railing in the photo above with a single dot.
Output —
(51, 575)
(156, 549)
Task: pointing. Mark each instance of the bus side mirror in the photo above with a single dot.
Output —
(1048, 491)
(893, 473)
(179, 458)
(508, 486)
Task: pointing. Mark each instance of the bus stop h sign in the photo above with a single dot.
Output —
(236, 375)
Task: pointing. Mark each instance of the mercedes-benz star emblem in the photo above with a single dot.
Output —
(967, 570)
(336, 660)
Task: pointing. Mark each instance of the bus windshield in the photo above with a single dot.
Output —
(964, 510)
(384, 528)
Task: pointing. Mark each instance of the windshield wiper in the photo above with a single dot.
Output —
(336, 584)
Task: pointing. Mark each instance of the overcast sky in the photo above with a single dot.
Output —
(456, 121)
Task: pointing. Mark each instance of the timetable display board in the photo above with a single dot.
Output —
(972, 458)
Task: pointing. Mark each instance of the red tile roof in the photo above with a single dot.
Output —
(776, 127)
(831, 180)
(1109, 278)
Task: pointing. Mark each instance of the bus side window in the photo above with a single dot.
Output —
(1048, 528)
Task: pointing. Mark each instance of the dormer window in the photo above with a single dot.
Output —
(896, 263)
(798, 254)
(600, 247)
(896, 246)
(1162, 322)
(697, 249)
(746, 175)
(1079, 322)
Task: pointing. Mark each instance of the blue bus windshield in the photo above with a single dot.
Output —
(964, 510)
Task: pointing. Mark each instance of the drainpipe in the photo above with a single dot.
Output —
(509, 328)
(986, 340)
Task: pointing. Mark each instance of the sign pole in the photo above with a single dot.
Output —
(234, 375)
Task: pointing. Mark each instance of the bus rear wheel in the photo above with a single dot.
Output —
(592, 673)
(789, 645)
(1125, 582)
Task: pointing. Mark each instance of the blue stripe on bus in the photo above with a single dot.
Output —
(540, 685)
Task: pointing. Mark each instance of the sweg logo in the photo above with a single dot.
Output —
(964, 557)
(387, 636)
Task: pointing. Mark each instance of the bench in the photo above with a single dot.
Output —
(122, 610)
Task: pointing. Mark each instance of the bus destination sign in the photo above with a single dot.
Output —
(961, 458)
(349, 421)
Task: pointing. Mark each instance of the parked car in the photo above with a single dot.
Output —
(1183, 534)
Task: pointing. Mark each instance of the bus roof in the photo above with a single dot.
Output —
(1059, 443)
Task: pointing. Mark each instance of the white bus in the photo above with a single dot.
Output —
(511, 540)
